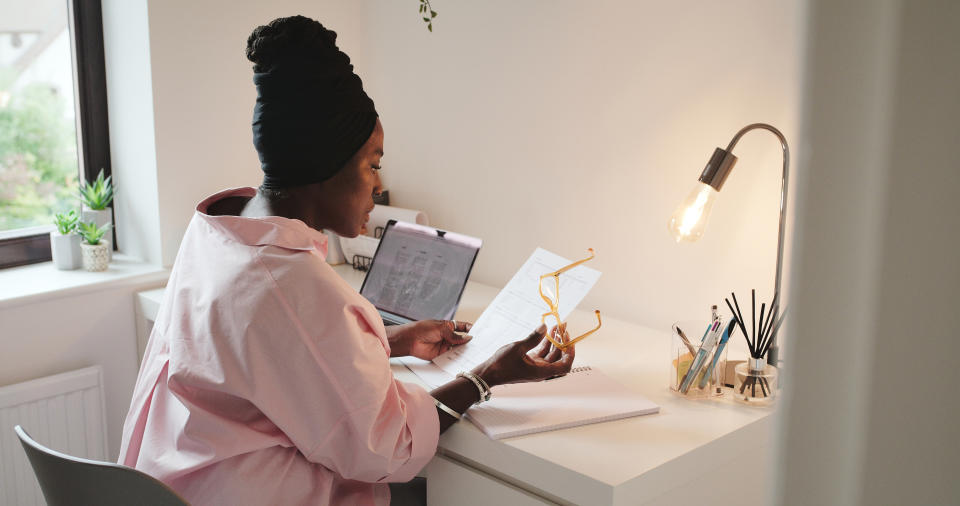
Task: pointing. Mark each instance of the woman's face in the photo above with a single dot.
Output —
(347, 197)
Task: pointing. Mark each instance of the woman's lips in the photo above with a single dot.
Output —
(363, 227)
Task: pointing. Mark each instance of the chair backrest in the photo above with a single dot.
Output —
(67, 480)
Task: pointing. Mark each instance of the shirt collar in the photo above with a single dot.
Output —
(262, 231)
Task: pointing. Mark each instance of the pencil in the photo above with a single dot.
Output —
(686, 341)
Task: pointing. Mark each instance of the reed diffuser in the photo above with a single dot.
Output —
(755, 380)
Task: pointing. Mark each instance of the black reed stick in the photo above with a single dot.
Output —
(774, 304)
(773, 335)
(736, 317)
(753, 314)
(746, 335)
(770, 334)
(771, 319)
(762, 307)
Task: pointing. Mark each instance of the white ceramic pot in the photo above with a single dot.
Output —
(101, 217)
(66, 251)
(96, 258)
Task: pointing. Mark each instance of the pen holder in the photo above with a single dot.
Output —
(685, 340)
(755, 382)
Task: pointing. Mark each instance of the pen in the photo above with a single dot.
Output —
(708, 343)
(705, 332)
(716, 355)
(693, 353)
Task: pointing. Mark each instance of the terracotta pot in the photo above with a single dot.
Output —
(66, 251)
(96, 257)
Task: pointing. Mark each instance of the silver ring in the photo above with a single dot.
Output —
(454, 325)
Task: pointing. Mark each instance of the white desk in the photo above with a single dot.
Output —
(692, 452)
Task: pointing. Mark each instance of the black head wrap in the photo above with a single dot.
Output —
(311, 113)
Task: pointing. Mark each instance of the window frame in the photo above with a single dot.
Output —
(93, 128)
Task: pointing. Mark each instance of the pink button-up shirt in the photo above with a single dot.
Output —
(266, 379)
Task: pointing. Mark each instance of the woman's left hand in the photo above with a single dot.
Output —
(426, 338)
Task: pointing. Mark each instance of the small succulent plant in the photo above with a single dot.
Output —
(428, 13)
(90, 233)
(98, 194)
(66, 222)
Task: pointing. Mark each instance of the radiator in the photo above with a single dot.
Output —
(64, 412)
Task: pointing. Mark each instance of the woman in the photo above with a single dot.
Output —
(266, 379)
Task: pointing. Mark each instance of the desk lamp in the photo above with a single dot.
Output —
(690, 219)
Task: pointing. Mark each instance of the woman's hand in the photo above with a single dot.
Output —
(516, 363)
(426, 339)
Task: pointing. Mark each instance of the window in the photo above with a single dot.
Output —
(53, 117)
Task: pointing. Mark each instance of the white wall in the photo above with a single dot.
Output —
(870, 410)
(67, 333)
(133, 153)
(570, 124)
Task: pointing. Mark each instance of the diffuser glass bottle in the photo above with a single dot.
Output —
(755, 382)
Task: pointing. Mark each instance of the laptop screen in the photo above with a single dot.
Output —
(419, 272)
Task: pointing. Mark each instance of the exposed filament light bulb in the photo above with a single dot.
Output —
(690, 219)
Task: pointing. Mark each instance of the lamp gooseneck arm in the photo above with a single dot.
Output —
(773, 355)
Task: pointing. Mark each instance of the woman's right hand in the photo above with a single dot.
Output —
(516, 363)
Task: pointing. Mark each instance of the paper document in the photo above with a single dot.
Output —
(516, 310)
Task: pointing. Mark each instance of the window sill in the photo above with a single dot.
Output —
(43, 281)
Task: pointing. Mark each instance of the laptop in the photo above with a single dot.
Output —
(419, 272)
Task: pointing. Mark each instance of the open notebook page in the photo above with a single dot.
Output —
(582, 397)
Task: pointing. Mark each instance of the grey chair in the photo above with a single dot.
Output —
(67, 480)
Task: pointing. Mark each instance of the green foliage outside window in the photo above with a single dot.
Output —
(38, 154)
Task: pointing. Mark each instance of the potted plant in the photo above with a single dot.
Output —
(64, 242)
(96, 198)
(96, 249)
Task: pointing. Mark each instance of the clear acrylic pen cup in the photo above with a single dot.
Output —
(693, 374)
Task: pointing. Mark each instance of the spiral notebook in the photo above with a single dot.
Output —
(584, 396)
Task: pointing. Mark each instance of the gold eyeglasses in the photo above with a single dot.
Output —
(552, 298)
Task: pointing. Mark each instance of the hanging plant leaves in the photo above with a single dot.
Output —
(425, 8)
